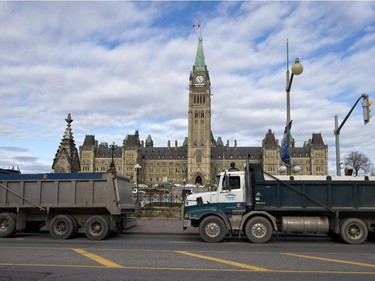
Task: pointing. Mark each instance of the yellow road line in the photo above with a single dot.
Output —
(191, 269)
(330, 260)
(51, 265)
(97, 258)
(236, 264)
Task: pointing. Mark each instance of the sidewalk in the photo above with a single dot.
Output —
(159, 226)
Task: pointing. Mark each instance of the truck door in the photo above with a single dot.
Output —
(231, 191)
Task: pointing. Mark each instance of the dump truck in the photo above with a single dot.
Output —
(98, 204)
(259, 205)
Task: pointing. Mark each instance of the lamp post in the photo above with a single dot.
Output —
(297, 69)
(112, 165)
(366, 118)
(137, 169)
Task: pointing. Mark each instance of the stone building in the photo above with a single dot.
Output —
(200, 157)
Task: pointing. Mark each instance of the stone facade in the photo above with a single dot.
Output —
(200, 157)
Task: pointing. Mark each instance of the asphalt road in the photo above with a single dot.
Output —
(135, 257)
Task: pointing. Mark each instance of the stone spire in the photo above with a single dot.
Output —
(200, 64)
(66, 158)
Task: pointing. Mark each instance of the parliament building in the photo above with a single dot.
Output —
(199, 157)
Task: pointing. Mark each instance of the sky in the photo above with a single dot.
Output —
(122, 66)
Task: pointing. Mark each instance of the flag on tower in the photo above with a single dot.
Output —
(196, 25)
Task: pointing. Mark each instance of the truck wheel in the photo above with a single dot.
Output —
(353, 231)
(7, 224)
(75, 226)
(61, 227)
(212, 229)
(258, 230)
(97, 228)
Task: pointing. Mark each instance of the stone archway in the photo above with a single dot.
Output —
(198, 180)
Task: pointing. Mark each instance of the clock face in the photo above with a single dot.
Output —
(199, 79)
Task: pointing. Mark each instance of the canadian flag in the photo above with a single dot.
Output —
(196, 25)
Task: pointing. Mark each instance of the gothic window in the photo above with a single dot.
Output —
(202, 114)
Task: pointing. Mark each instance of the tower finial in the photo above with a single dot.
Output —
(69, 119)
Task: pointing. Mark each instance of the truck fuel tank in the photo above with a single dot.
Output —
(305, 224)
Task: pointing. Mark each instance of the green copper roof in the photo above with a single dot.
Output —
(219, 141)
(200, 64)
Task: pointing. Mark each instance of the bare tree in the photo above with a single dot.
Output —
(372, 170)
(357, 160)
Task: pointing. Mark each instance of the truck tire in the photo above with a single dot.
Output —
(212, 229)
(97, 228)
(61, 227)
(353, 231)
(258, 230)
(75, 226)
(8, 224)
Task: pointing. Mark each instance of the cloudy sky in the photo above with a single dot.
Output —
(118, 67)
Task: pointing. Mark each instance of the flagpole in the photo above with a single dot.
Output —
(287, 88)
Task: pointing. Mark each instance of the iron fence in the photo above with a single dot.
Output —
(144, 199)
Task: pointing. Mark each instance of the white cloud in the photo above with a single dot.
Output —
(118, 67)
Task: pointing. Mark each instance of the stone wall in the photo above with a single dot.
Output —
(159, 213)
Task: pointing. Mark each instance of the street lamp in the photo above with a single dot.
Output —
(297, 69)
(113, 148)
(137, 168)
(366, 118)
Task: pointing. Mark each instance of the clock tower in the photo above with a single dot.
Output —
(199, 121)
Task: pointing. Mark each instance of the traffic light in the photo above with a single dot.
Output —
(366, 103)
